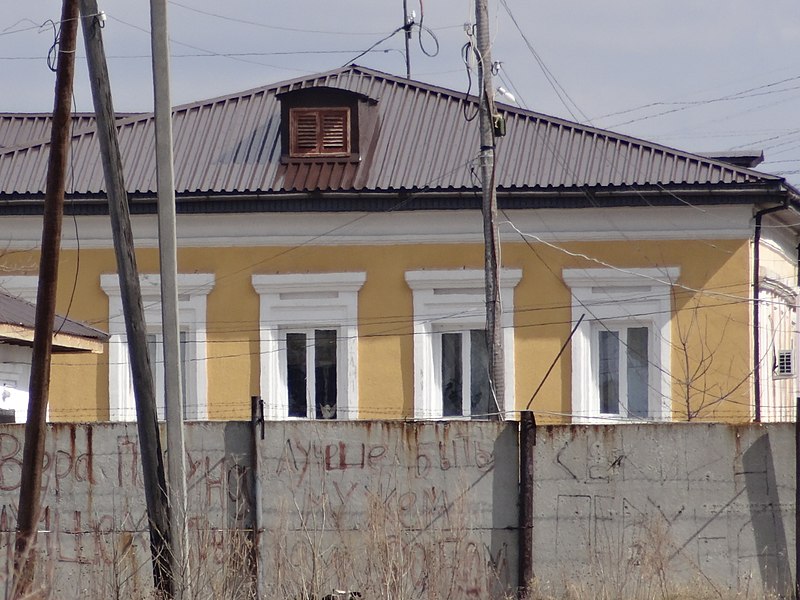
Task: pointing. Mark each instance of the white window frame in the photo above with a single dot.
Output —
(310, 357)
(455, 300)
(630, 298)
(296, 301)
(466, 365)
(778, 317)
(193, 290)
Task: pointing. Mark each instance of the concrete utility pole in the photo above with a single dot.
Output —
(494, 327)
(168, 255)
(35, 427)
(407, 35)
(143, 387)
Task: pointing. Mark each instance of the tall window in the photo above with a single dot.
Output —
(192, 292)
(309, 344)
(623, 370)
(311, 374)
(451, 354)
(621, 350)
(466, 390)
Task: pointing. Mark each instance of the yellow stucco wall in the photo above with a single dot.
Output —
(710, 306)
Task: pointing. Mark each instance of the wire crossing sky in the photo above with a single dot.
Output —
(701, 76)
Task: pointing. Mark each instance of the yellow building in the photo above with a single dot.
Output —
(331, 262)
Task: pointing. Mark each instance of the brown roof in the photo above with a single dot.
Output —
(231, 145)
(17, 323)
(23, 129)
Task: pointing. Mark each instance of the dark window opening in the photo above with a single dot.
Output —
(311, 366)
(466, 390)
(296, 373)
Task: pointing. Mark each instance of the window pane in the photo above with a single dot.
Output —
(296, 373)
(452, 385)
(608, 372)
(637, 372)
(325, 373)
(481, 402)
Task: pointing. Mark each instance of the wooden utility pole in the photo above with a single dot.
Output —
(494, 326)
(168, 257)
(135, 328)
(35, 426)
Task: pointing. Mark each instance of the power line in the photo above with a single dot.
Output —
(561, 93)
(210, 54)
(267, 26)
(686, 104)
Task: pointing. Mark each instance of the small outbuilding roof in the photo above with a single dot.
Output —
(18, 320)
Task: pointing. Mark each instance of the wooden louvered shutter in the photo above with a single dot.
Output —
(306, 133)
(319, 132)
(334, 131)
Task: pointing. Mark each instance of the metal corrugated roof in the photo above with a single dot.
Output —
(22, 129)
(18, 321)
(422, 140)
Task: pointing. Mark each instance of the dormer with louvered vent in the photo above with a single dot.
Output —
(321, 124)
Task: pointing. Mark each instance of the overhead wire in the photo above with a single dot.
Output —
(559, 90)
(423, 29)
(205, 54)
(679, 106)
(375, 45)
(250, 22)
(200, 49)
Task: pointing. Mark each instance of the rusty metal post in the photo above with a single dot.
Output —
(35, 427)
(257, 434)
(527, 442)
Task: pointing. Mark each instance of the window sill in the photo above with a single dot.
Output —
(320, 158)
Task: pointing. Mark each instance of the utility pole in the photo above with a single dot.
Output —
(39, 388)
(494, 326)
(407, 23)
(135, 328)
(168, 257)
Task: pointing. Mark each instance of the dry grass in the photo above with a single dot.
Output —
(380, 552)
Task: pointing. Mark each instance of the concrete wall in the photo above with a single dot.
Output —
(423, 510)
(703, 506)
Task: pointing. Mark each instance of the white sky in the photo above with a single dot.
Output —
(716, 74)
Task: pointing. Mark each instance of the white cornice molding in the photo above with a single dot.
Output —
(308, 282)
(458, 279)
(779, 288)
(581, 278)
(406, 227)
(193, 284)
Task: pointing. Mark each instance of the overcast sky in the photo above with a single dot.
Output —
(700, 75)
